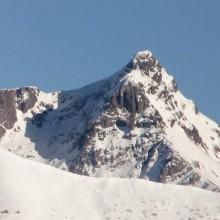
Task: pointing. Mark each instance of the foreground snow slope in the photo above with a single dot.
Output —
(30, 190)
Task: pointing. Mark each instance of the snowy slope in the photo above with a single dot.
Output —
(30, 190)
(134, 124)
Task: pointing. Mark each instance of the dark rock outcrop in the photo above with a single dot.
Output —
(131, 98)
(8, 115)
(193, 134)
(26, 103)
(143, 61)
(10, 100)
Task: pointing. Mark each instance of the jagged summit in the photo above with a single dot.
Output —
(135, 124)
(143, 56)
(143, 60)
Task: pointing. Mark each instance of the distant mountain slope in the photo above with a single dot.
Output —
(31, 190)
(135, 123)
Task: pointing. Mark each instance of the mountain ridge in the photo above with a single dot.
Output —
(135, 123)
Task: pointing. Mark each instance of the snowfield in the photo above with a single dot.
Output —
(33, 191)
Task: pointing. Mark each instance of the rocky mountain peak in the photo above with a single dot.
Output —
(133, 124)
(144, 57)
(144, 61)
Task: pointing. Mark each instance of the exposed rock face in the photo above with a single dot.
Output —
(134, 124)
(132, 98)
(10, 100)
(2, 131)
(146, 62)
(26, 98)
(7, 110)
(193, 134)
(171, 167)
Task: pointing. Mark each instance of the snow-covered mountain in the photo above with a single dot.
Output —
(30, 190)
(135, 123)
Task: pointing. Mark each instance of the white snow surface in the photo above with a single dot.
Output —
(32, 191)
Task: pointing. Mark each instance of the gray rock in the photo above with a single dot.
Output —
(131, 98)
(7, 108)
(26, 103)
(10, 100)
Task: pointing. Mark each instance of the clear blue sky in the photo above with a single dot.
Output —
(59, 45)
